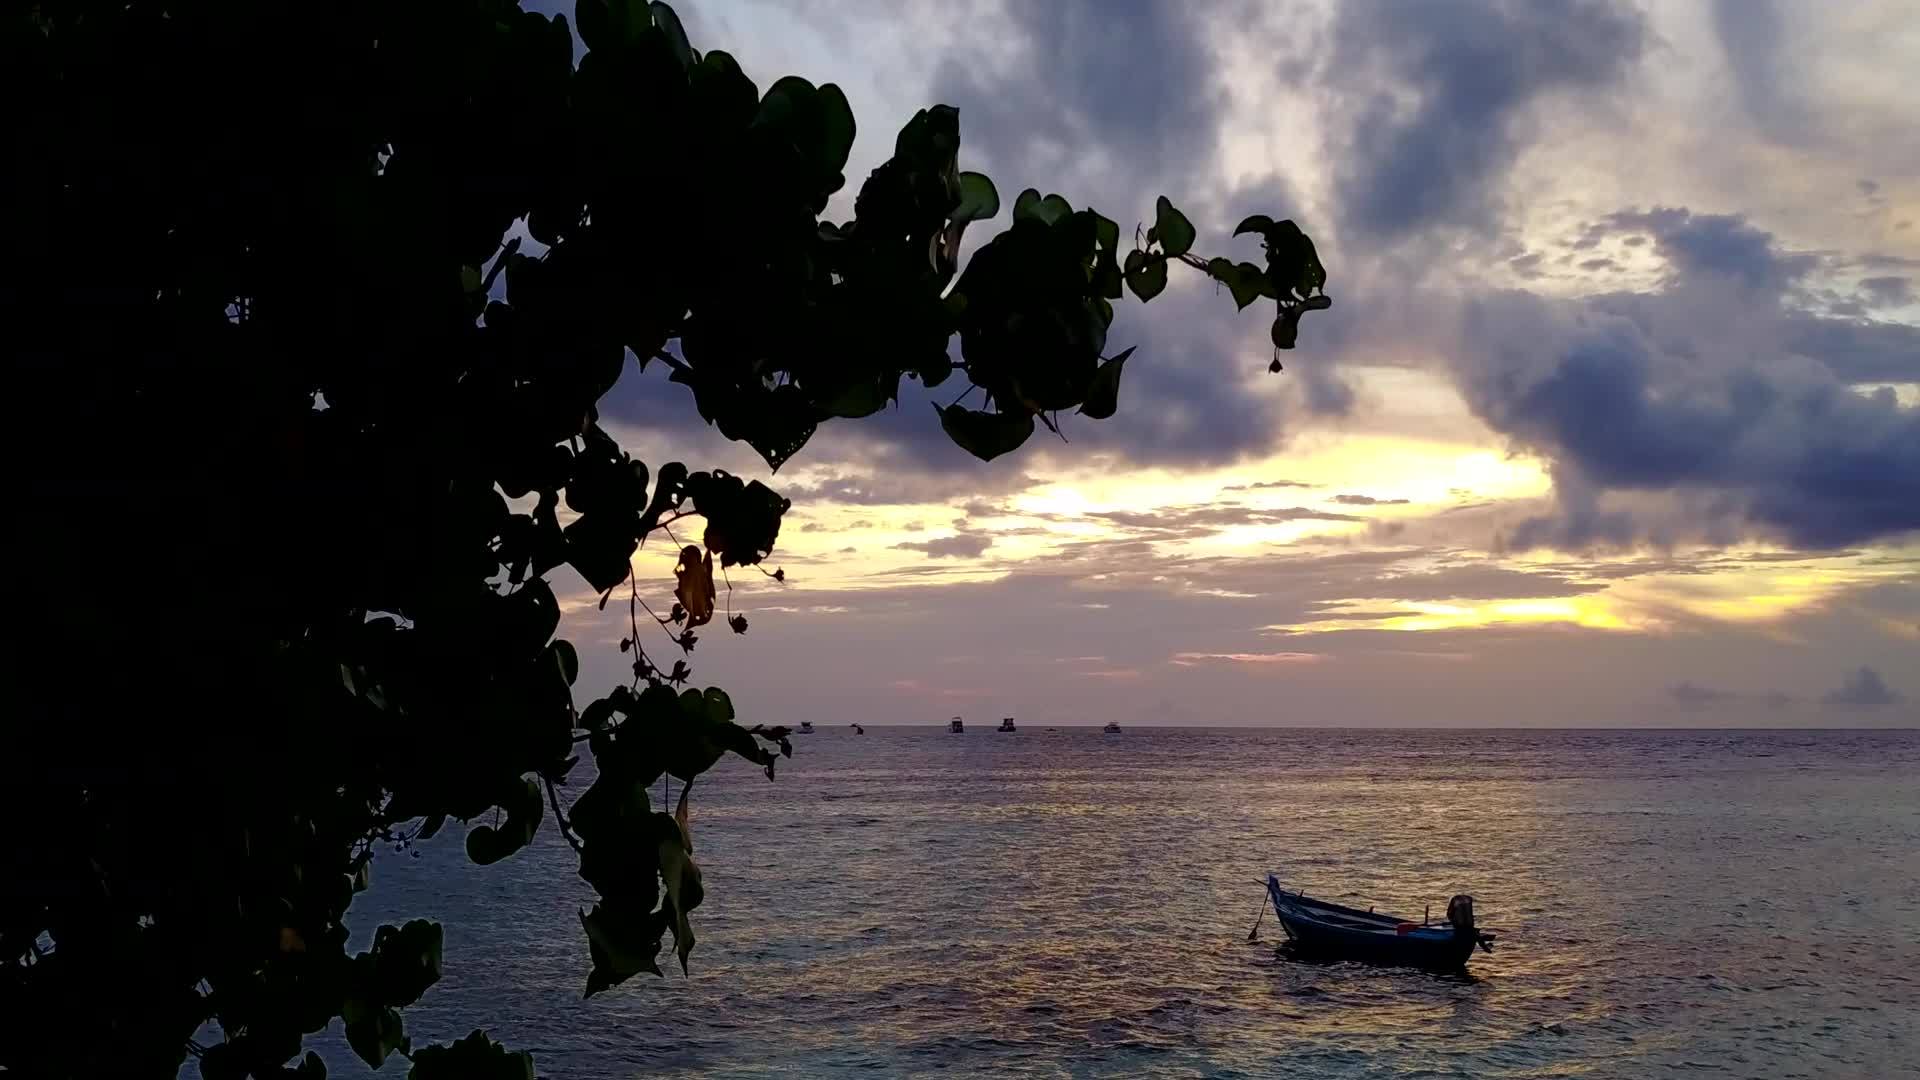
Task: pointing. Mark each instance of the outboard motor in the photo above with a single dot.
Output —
(1460, 914)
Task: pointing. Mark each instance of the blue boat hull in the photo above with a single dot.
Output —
(1329, 931)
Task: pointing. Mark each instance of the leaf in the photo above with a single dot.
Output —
(836, 129)
(669, 24)
(600, 546)
(1246, 281)
(405, 962)
(1286, 327)
(566, 659)
(623, 941)
(680, 816)
(1175, 231)
(1258, 223)
(695, 591)
(681, 875)
(979, 199)
(1150, 279)
(609, 24)
(985, 435)
(475, 1057)
(373, 1031)
(1103, 394)
(1291, 260)
(857, 399)
(1026, 206)
(487, 845)
(1054, 209)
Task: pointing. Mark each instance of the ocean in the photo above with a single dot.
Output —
(1064, 903)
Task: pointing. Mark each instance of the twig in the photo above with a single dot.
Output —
(560, 819)
(663, 623)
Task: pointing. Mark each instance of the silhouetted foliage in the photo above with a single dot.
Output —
(308, 309)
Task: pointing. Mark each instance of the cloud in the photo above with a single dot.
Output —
(1751, 36)
(1265, 484)
(1694, 697)
(1436, 99)
(850, 484)
(1715, 245)
(1367, 500)
(1856, 350)
(1688, 414)
(958, 546)
(1689, 695)
(1888, 291)
(1198, 521)
(1115, 97)
(1188, 659)
(1863, 689)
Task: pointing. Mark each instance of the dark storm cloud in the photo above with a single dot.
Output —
(1888, 291)
(1437, 97)
(1857, 350)
(1813, 462)
(1719, 245)
(1864, 689)
(1708, 392)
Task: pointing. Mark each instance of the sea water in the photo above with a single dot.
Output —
(1065, 903)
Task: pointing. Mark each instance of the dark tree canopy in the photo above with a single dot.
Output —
(308, 309)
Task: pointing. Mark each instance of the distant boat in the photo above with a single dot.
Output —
(955, 727)
(857, 729)
(1330, 931)
(806, 728)
(1111, 728)
(1005, 725)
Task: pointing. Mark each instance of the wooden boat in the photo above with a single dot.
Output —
(1318, 928)
(1005, 725)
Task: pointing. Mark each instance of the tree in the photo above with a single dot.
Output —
(309, 311)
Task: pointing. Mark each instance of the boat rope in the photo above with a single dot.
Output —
(1254, 934)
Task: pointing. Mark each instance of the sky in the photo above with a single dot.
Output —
(1615, 419)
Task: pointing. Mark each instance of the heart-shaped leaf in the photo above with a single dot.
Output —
(985, 435)
(1173, 228)
(1103, 394)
